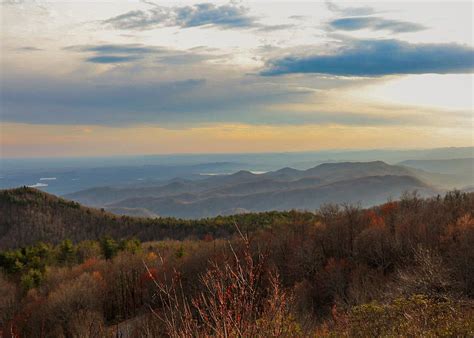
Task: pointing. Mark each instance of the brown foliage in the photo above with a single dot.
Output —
(315, 271)
(238, 298)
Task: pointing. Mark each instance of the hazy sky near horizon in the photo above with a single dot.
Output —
(85, 78)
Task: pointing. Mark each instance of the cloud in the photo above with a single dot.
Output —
(28, 49)
(120, 99)
(112, 59)
(204, 14)
(210, 14)
(140, 19)
(121, 53)
(349, 11)
(299, 17)
(65, 101)
(136, 94)
(379, 57)
(115, 53)
(183, 58)
(375, 23)
(272, 28)
(115, 49)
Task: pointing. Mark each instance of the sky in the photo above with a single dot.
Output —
(90, 78)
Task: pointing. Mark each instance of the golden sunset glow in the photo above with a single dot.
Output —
(218, 138)
(98, 78)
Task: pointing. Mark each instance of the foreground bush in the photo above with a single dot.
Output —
(416, 316)
(400, 269)
(239, 298)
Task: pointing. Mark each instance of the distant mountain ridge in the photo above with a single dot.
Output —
(77, 174)
(457, 166)
(452, 173)
(365, 191)
(366, 183)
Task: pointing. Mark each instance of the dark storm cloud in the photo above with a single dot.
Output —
(379, 57)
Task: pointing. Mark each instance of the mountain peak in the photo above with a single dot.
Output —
(286, 170)
(243, 173)
(350, 164)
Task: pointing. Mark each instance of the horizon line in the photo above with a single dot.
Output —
(336, 150)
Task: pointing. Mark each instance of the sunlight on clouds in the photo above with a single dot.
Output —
(450, 91)
(359, 105)
(205, 79)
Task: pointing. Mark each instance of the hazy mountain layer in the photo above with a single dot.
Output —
(365, 191)
(62, 176)
(366, 183)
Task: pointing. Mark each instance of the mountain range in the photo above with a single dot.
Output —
(181, 206)
(364, 183)
(61, 176)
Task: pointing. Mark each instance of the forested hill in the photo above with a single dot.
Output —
(29, 215)
(400, 269)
